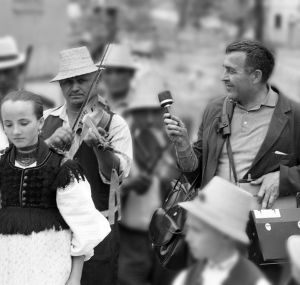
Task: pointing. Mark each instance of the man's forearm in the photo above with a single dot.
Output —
(187, 159)
(107, 160)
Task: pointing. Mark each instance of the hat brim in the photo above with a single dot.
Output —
(214, 219)
(74, 72)
(293, 247)
(14, 62)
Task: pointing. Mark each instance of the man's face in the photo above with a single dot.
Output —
(117, 80)
(204, 241)
(9, 80)
(147, 118)
(237, 79)
(76, 89)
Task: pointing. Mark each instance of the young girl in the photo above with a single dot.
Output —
(48, 222)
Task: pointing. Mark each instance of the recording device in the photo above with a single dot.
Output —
(165, 100)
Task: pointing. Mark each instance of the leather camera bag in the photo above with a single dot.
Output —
(166, 227)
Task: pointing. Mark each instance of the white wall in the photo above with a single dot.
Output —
(42, 23)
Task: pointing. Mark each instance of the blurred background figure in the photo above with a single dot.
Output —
(147, 186)
(12, 65)
(118, 76)
(101, 21)
(293, 248)
(216, 233)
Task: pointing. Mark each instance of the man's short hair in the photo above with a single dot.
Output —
(257, 56)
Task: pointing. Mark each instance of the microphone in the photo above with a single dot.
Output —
(165, 100)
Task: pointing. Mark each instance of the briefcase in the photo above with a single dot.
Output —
(268, 231)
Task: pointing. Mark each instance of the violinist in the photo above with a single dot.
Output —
(146, 187)
(103, 166)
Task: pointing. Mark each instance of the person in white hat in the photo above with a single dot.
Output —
(102, 25)
(11, 65)
(146, 186)
(118, 77)
(215, 231)
(293, 249)
(102, 166)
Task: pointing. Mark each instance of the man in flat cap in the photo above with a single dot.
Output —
(103, 166)
(216, 224)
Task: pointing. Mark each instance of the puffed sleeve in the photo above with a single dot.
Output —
(89, 227)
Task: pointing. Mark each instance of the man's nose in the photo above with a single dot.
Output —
(75, 86)
(225, 76)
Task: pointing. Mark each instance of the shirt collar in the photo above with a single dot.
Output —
(269, 101)
(226, 264)
(61, 112)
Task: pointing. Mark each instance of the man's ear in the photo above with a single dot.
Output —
(256, 76)
(41, 123)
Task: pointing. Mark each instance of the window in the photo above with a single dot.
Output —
(278, 21)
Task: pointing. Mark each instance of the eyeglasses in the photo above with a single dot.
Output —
(111, 12)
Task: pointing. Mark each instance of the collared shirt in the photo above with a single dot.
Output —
(248, 131)
(119, 138)
(215, 274)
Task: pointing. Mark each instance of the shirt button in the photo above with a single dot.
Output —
(23, 204)
(23, 192)
(25, 177)
(245, 123)
(24, 184)
(24, 199)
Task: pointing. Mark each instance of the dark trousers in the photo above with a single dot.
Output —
(137, 262)
(102, 268)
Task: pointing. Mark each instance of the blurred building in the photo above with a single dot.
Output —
(40, 23)
(282, 22)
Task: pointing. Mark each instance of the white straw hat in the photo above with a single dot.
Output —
(9, 54)
(119, 56)
(293, 248)
(146, 91)
(74, 62)
(223, 206)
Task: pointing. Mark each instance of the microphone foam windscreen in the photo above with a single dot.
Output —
(165, 98)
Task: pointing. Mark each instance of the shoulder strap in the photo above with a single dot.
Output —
(227, 114)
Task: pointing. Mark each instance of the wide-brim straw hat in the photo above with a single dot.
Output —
(9, 53)
(223, 206)
(74, 62)
(145, 92)
(118, 56)
(293, 248)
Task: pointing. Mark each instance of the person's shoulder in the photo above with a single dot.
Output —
(118, 120)
(215, 103)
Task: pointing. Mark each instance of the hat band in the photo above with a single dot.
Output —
(8, 57)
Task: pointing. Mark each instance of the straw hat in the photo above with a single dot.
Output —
(9, 54)
(145, 92)
(223, 206)
(74, 62)
(293, 248)
(119, 56)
